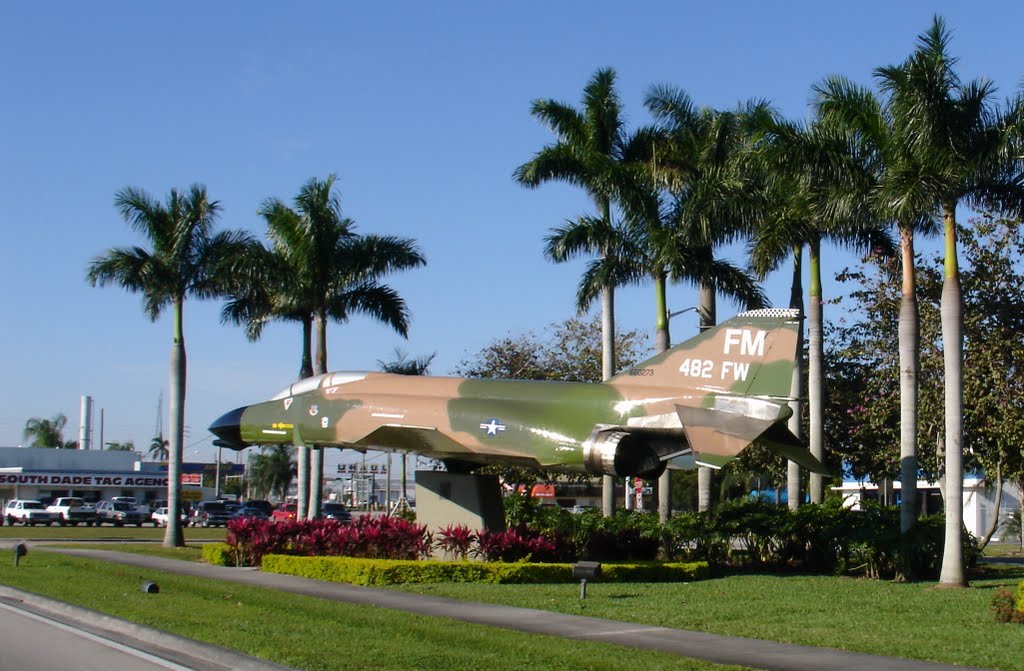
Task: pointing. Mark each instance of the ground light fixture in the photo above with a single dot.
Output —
(584, 571)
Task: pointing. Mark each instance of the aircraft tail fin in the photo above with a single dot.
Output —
(752, 354)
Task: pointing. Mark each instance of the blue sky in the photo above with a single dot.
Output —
(421, 109)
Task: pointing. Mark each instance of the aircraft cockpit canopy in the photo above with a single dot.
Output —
(324, 381)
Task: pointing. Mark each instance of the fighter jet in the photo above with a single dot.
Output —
(699, 403)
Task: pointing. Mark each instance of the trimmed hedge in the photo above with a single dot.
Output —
(219, 554)
(358, 571)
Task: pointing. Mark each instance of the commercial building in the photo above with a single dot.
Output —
(43, 474)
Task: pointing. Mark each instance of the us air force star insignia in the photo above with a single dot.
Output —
(288, 403)
(492, 427)
(313, 410)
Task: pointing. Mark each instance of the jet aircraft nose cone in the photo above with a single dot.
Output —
(228, 429)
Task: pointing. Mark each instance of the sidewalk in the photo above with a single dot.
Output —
(720, 649)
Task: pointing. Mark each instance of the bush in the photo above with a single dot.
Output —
(515, 545)
(456, 541)
(1006, 607)
(370, 537)
(394, 572)
(220, 554)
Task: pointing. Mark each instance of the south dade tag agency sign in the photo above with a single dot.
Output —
(56, 479)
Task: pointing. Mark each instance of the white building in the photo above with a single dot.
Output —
(979, 499)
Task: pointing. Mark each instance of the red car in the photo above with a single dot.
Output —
(285, 511)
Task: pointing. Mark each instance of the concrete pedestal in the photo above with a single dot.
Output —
(444, 499)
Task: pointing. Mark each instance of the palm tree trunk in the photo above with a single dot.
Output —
(815, 367)
(703, 489)
(607, 370)
(321, 345)
(302, 482)
(311, 465)
(662, 337)
(708, 309)
(951, 310)
(910, 365)
(306, 366)
(796, 300)
(662, 341)
(316, 481)
(174, 536)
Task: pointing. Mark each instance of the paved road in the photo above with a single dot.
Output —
(721, 649)
(42, 634)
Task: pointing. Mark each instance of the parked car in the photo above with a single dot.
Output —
(284, 512)
(120, 513)
(161, 514)
(29, 512)
(73, 510)
(335, 511)
(210, 514)
(265, 506)
(252, 511)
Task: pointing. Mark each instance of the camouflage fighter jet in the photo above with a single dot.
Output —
(700, 402)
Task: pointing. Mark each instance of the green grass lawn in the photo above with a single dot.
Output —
(310, 633)
(914, 620)
(106, 533)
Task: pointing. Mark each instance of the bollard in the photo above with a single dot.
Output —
(19, 551)
(150, 587)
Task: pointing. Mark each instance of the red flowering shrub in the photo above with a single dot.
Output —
(368, 537)
(251, 538)
(456, 540)
(518, 544)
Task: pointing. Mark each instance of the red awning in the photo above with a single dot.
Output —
(543, 492)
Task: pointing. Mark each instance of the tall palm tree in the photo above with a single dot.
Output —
(968, 149)
(588, 153)
(186, 259)
(821, 178)
(318, 270)
(42, 432)
(901, 197)
(696, 154)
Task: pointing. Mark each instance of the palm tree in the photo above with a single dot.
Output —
(43, 432)
(158, 448)
(820, 180)
(696, 154)
(968, 149)
(186, 259)
(902, 197)
(271, 471)
(588, 153)
(318, 270)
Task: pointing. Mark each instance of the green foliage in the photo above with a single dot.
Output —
(862, 361)
(271, 471)
(571, 353)
(396, 572)
(220, 554)
(42, 432)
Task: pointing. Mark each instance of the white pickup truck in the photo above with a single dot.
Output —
(73, 510)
